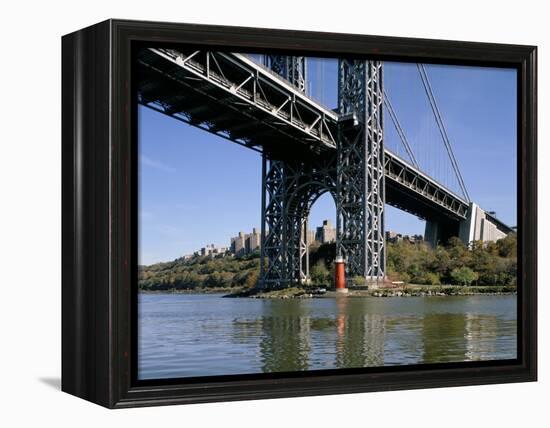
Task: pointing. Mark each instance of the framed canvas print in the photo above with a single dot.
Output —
(253, 213)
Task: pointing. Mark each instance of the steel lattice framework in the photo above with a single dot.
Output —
(307, 150)
(189, 86)
(292, 68)
(235, 98)
(360, 169)
(290, 188)
(355, 175)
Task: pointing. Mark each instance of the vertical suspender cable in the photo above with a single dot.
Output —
(399, 129)
(441, 126)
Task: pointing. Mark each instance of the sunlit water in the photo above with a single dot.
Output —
(182, 335)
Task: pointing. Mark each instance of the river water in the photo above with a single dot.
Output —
(187, 335)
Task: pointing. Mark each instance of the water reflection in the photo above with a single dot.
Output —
(481, 336)
(359, 335)
(285, 343)
(185, 335)
(443, 337)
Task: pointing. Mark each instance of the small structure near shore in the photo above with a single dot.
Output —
(340, 275)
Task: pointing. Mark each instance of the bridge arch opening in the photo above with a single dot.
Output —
(322, 249)
(306, 237)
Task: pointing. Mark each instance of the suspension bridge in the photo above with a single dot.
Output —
(308, 149)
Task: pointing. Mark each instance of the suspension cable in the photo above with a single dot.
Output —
(441, 126)
(399, 129)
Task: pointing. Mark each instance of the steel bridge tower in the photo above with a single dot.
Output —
(354, 176)
(360, 169)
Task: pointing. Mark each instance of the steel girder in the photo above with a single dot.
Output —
(231, 96)
(241, 100)
(289, 190)
(292, 68)
(360, 169)
(182, 92)
(402, 175)
(273, 240)
(355, 176)
(311, 180)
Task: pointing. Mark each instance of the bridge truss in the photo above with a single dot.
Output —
(307, 150)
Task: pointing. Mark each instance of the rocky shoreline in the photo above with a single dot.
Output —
(301, 293)
(407, 291)
(214, 290)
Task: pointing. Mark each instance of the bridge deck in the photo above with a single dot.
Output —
(232, 96)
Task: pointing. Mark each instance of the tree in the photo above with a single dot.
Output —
(480, 263)
(320, 275)
(458, 253)
(507, 247)
(427, 278)
(400, 256)
(325, 252)
(359, 281)
(463, 275)
(252, 278)
(441, 262)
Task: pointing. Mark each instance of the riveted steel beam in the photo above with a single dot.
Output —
(360, 169)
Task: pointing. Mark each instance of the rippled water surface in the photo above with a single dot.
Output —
(182, 335)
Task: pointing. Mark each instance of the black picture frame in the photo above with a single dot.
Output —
(99, 216)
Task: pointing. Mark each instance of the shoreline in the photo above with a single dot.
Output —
(193, 291)
(410, 290)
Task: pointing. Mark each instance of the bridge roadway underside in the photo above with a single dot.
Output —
(404, 199)
(168, 88)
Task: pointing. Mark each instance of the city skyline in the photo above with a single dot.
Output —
(251, 241)
(318, 234)
(185, 201)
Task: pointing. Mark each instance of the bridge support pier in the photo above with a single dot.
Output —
(341, 153)
(360, 170)
(290, 188)
(431, 235)
(354, 176)
(481, 226)
(439, 231)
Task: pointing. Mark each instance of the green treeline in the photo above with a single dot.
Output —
(201, 272)
(492, 263)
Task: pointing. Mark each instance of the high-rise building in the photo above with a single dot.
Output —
(252, 241)
(394, 237)
(310, 237)
(326, 233)
(245, 243)
(238, 244)
(212, 251)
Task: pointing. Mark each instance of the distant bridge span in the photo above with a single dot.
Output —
(236, 98)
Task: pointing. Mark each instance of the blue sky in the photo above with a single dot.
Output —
(196, 188)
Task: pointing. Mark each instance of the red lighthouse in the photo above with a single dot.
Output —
(340, 275)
